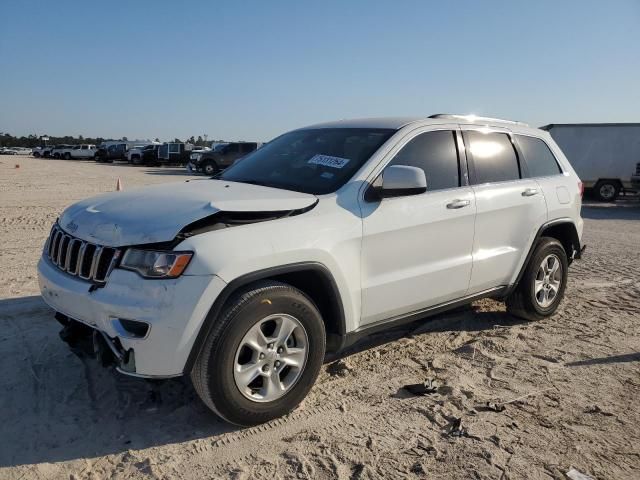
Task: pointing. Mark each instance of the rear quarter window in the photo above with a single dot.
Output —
(539, 159)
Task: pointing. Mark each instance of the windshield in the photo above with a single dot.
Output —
(314, 161)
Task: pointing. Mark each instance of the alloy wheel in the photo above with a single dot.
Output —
(548, 280)
(271, 358)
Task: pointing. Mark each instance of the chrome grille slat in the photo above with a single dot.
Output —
(75, 256)
(59, 248)
(81, 259)
(96, 260)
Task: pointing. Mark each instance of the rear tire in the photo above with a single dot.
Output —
(67, 156)
(218, 371)
(541, 289)
(36, 155)
(607, 191)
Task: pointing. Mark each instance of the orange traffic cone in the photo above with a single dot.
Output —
(119, 185)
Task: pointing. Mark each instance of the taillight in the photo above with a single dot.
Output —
(581, 188)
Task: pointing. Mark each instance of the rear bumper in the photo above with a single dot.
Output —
(174, 310)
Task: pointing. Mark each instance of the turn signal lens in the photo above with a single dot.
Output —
(180, 264)
(581, 188)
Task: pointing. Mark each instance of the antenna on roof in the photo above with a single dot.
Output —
(474, 118)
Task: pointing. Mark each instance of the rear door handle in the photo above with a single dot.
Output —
(458, 204)
(530, 192)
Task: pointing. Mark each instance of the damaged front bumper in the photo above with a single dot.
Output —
(87, 341)
(147, 327)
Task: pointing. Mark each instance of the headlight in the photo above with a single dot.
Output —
(195, 156)
(155, 264)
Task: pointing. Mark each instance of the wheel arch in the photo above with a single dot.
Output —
(564, 230)
(312, 278)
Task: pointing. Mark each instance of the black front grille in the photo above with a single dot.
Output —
(79, 258)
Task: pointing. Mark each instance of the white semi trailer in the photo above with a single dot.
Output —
(603, 154)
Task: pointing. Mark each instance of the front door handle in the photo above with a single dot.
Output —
(530, 192)
(458, 204)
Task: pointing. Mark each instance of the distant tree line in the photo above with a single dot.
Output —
(31, 141)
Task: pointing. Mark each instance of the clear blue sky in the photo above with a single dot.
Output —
(252, 69)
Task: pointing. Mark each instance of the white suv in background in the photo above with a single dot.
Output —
(327, 233)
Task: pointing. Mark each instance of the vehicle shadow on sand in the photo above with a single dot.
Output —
(462, 319)
(56, 406)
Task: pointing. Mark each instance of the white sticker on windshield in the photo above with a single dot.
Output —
(328, 161)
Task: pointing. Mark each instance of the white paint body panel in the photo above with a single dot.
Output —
(506, 224)
(157, 213)
(387, 258)
(406, 265)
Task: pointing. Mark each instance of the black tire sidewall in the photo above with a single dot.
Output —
(214, 168)
(603, 199)
(546, 247)
(230, 403)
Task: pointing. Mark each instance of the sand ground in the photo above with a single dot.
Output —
(572, 381)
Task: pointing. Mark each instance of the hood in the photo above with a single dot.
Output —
(157, 213)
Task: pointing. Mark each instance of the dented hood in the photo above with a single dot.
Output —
(158, 213)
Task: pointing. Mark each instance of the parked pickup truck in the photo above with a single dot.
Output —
(221, 157)
(43, 151)
(79, 152)
(59, 150)
(111, 152)
(247, 281)
(135, 154)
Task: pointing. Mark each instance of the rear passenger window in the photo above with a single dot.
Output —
(436, 154)
(494, 158)
(539, 159)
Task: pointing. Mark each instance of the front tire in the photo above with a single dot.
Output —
(262, 356)
(67, 156)
(541, 288)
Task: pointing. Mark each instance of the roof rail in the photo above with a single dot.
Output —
(475, 118)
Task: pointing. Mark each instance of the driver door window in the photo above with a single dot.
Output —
(436, 154)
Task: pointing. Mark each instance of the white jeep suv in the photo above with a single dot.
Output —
(327, 233)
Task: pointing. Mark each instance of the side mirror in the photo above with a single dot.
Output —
(399, 181)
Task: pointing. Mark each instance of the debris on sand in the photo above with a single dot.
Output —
(456, 429)
(595, 409)
(427, 387)
(339, 367)
(492, 407)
